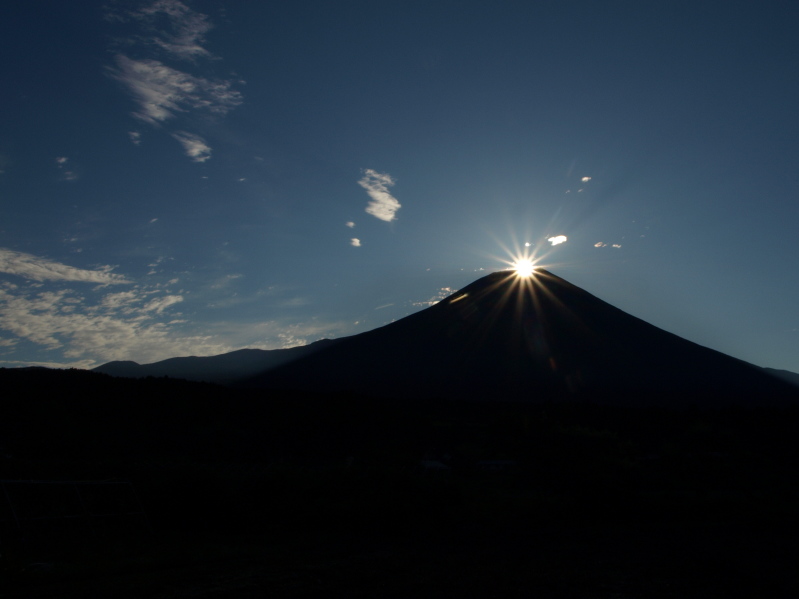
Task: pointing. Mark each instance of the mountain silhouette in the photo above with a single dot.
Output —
(539, 338)
(224, 368)
(503, 337)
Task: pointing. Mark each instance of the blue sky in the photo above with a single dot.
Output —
(189, 178)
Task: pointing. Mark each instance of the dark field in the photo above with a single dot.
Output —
(252, 494)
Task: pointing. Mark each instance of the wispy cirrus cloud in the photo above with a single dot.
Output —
(67, 171)
(382, 205)
(122, 300)
(161, 91)
(169, 30)
(118, 327)
(186, 28)
(72, 325)
(159, 304)
(41, 269)
(194, 145)
(83, 330)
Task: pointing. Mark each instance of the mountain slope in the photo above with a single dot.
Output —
(785, 375)
(529, 339)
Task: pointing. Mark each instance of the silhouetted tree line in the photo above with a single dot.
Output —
(210, 460)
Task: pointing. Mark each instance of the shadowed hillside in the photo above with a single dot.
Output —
(245, 490)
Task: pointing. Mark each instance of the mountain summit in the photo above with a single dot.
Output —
(537, 338)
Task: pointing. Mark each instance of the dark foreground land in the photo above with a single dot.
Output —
(209, 492)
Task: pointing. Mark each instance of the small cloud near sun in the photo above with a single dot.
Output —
(527, 244)
(350, 224)
(558, 239)
(585, 179)
(355, 242)
(440, 295)
(600, 244)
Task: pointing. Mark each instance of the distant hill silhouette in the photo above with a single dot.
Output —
(224, 368)
(503, 337)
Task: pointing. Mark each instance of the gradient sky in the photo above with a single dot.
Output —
(190, 178)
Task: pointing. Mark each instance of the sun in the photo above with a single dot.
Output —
(522, 260)
(524, 267)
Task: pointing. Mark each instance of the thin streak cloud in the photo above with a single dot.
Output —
(188, 28)
(41, 269)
